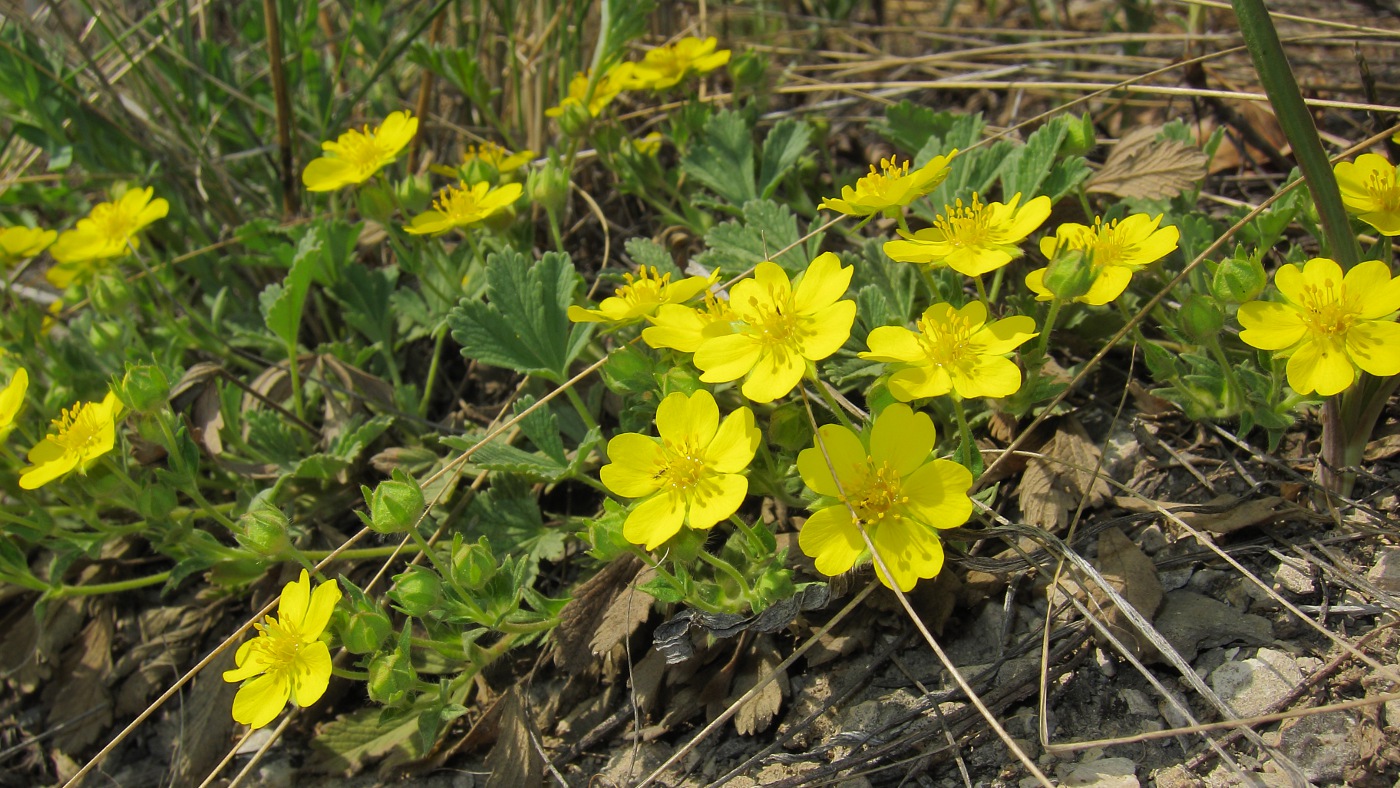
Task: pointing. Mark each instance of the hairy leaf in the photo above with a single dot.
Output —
(1144, 167)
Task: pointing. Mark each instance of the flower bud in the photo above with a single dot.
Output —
(1238, 279)
(376, 202)
(364, 630)
(1201, 318)
(418, 591)
(749, 70)
(789, 428)
(395, 504)
(1069, 275)
(548, 186)
(473, 565)
(263, 529)
(415, 192)
(391, 677)
(1080, 138)
(144, 388)
(574, 120)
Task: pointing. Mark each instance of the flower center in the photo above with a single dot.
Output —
(775, 327)
(78, 429)
(682, 469)
(1325, 310)
(460, 205)
(648, 286)
(968, 226)
(885, 178)
(1384, 190)
(115, 224)
(947, 341)
(281, 644)
(361, 150)
(1108, 246)
(878, 496)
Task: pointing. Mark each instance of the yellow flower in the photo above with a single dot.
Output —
(1115, 251)
(692, 475)
(898, 496)
(668, 65)
(1329, 324)
(890, 188)
(1369, 190)
(643, 294)
(459, 207)
(782, 330)
(485, 162)
(12, 399)
(109, 231)
(356, 155)
(287, 659)
(83, 433)
(650, 145)
(620, 77)
(683, 328)
(974, 239)
(954, 350)
(21, 243)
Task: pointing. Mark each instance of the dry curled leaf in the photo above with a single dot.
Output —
(1144, 167)
(515, 760)
(1133, 575)
(1066, 471)
(757, 713)
(1222, 515)
(585, 617)
(80, 706)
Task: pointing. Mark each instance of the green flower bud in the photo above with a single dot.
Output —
(775, 585)
(548, 186)
(473, 565)
(107, 336)
(749, 70)
(391, 677)
(364, 630)
(1069, 275)
(415, 192)
(574, 121)
(144, 388)
(1201, 317)
(263, 529)
(377, 202)
(1080, 139)
(395, 505)
(418, 591)
(788, 428)
(1238, 279)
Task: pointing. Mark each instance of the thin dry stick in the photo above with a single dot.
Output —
(763, 682)
(425, 91)
(284, 109)
(267, 745)
(221, 765)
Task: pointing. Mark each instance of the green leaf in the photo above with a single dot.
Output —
(1028, 166)
(785, 143)
(364, 296)
(504, 458)
(541, 428)
(767, 226)
(908, 126)
(723, 160)
(282, 303)
(523, 324)
(1065, 177)
(509, 514)
(649, 253)
(347, 743)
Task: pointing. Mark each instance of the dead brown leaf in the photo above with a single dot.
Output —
(1133, 575)
(1054, 483)
(580, 620)
(1223, 514)
(515, 761)
(757, 713)
(1144, 167)
(79, 705)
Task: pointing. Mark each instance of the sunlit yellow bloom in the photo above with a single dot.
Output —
(287, 659)
(79, 437)
(650, 145)
(668, 65)
(890, 188)
(974, 239)
(21, 243)
(459, 207)
(357, 155)
(485, 162)
(108, 232)
(1370, 190)
(1329, 324)
(782, 330)
(641, 296)
(1115, 250)
(897, 494)
(954, 350)
(685, 328)
(690, 476)
(620, 77)
(12, 399)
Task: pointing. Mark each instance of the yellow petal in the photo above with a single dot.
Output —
(777, 372)
(1005, 335)
(1269, 325)
(296, 598)
(1375, 347)
(318, 613)
(909, 552)
(636, 462)
(688, 420)
(311, 673)
(986, 376)
(937, 494)
(822, 285)
(846, 454)
(727, 358)
(1371, 291)
(1321, 366)
(654, 520)
(901, 438)
(826, 331)
(1108, 285)
(830, 537)
(735, 443)
(328, 174)
(715, 498)
(893, 343)
(260, 700)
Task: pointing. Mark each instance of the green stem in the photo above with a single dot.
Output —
(1043, 346)
(727, 568)
(996, 282)
(359, 553)
(982, 293)
(581, 407)
(831, 403)
(1296, 120)
(353, 675)
(192, 490)
(97, 589)
(294, 372)
(926, 274)
(432, 370)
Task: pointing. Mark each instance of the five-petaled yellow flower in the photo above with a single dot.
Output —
(690, 476)
(12, 399)
(79, 437)
(485, 162)
(620, 77)
(781, 330)
(287, 659)
(109, 231)
(667, 65)
(22, 243)
(1116, 250)
(1371, 191)
(1329, 324)
(357, 155)
(641, 296)
(884, 482)
(954, 350)
(684, 328)
(459, 207)
(889, 188)
(973, 239)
